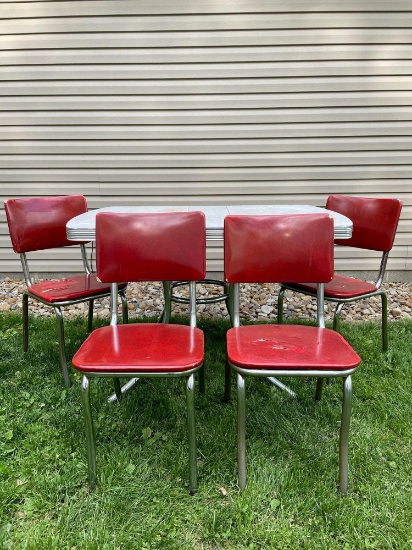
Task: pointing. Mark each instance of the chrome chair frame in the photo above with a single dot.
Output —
(190, 397)
(342, 301)
(169, 297)
(58, 311)
(270, 375)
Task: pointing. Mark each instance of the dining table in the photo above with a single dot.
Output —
(83, 227)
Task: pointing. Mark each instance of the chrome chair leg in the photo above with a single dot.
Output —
(229, 303)
(336, 316)
(319, 388)
(165, 317)
(125, 309)
(117, 388)
(280, 305)
(384, 299)
(90, 316)
(25, 322)
(87, 413)
(62, 347)
(344, 434)
(190, 395)
(241, 431)
(123, 389)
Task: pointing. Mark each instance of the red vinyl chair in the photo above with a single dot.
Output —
(298, 248)
(146, 247)
(40, 224)
(374, 227)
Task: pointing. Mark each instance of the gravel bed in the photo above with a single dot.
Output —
(258, 302)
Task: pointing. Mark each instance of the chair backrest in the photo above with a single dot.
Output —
(374, 220)
(295, 248)
(150, 247)
(40, 223)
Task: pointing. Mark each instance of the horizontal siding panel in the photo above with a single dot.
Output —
(23, 9)
(211, 200)
(250, 188)
(51, 256)
(221, 190)
(203, 22)
(44, 176)
(206, 146)
(42, 187)
(209, 132)
(361, 83)
(181, 118)
(205, 70)
(278, 195)
(361, 264)
(231, 189)
(403, 240)
(257, 174)
(354, 254)
(207, 38)
(330, 52)
(209, 101)
(205, 190)
(124, 179)
(241, 160)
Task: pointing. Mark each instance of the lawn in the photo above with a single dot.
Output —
(141, 500)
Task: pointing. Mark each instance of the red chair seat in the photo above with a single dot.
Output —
(279, 347)
(68, 289)
(340, 287)
(141, 348)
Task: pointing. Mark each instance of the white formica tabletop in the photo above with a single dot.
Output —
(83, 227)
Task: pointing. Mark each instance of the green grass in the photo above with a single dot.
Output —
(142, 501)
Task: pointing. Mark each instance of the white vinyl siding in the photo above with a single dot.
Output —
(207, 102)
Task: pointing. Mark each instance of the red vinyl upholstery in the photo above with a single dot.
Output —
(39, 223)
(255, 261)
(267, 249)
(375, 221)
(173, 348)
(294, 347)
(340, 287)
(70, 289)
(146, 247)
(176, 251)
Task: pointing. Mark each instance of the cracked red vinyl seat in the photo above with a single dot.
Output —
(262, 249)
(375, 221)
(159, 247)
(40, 224)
